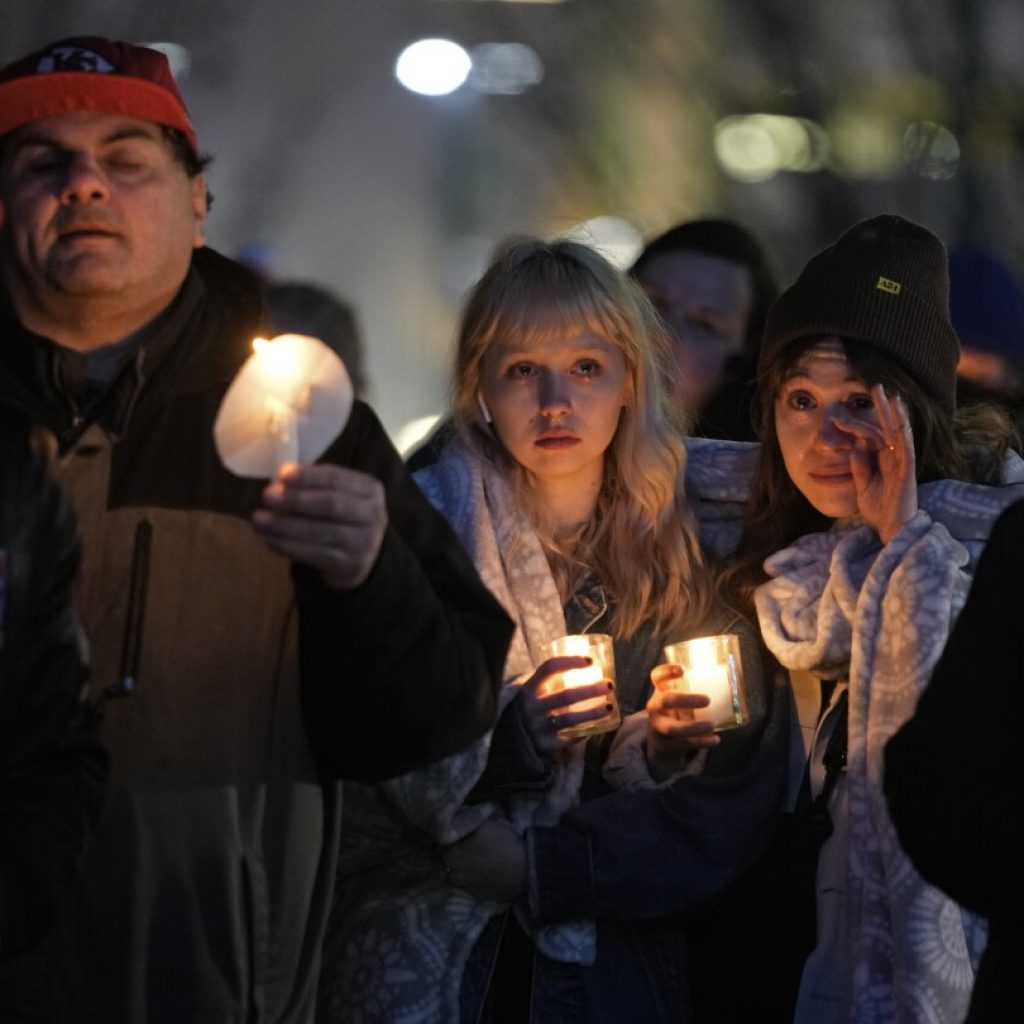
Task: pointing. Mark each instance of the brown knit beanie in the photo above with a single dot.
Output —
(885, 283)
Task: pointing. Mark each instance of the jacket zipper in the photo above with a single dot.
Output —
(135, 618)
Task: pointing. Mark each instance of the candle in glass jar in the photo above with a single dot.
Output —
(599, 648)
(711, 666)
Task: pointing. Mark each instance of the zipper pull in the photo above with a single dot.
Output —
(135, 619)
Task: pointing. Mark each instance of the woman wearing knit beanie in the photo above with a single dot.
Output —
(870, 504)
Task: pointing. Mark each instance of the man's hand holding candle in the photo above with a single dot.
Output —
(328, 518)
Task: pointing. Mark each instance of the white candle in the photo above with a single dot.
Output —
(713, 682)
(282, 423)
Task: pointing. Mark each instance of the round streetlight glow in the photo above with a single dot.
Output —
(433, 67)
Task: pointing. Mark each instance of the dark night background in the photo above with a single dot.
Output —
(647, 111)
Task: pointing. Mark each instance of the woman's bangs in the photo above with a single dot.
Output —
(542, 315)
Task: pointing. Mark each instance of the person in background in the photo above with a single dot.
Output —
(986, 305)
(533, 877)
(297, 307)
(52, 768)
(253, 640)
(712, 283)
(953, 774)
(871, 501)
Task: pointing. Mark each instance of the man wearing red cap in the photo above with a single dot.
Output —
(235, 686)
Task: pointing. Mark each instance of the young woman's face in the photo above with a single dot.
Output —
(556, 405)
(822, 393)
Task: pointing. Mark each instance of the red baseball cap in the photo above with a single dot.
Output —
(89, 73)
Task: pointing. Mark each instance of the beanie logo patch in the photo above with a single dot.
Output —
(72, 58)
(886, 284)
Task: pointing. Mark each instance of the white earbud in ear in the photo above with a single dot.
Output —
(484, 411)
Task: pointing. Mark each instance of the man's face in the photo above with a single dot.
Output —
(96, 206)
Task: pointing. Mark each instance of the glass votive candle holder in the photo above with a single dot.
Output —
(599, 648)
(712, 666)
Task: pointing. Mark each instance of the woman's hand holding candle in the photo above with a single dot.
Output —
(674, 734)
(328, 518)
(544, 708)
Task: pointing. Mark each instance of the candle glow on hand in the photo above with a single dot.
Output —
(579, 647)
(597, 647)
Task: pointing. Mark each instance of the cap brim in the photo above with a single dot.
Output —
(23, 100)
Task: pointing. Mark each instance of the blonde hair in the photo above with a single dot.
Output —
(641, 543)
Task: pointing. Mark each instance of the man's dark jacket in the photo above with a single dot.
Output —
(234, 690)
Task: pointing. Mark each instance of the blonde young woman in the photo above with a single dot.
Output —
(531, 878)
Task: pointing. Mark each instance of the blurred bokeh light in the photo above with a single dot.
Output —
(615, 238)
(755, 147)
(505, 69)
(433, 67)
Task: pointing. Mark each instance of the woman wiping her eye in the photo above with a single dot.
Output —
(871, 501)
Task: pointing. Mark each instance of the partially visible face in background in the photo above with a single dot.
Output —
(706, 301)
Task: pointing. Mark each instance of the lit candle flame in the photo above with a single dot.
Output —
(279, 361)
(704, 653)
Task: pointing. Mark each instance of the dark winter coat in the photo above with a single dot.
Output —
(234, 690)
(953, 773)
